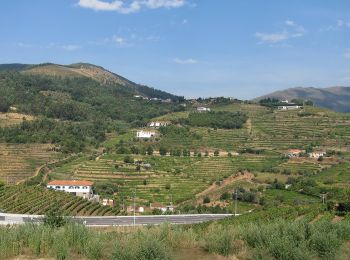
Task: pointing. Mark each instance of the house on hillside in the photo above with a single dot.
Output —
(317, 155)
(145, 134)
(75, 187)
(203, 109)
(294, 153)
(289, 106)
(108, 202)
(161, 207)
(159, 123)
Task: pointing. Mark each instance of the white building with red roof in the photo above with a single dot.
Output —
(75, 187)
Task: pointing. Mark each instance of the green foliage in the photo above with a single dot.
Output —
(206, 200)
(226, 120)
(54, 219)
(128, 159)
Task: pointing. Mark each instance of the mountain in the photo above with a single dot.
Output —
(91, 71)
(335, 98)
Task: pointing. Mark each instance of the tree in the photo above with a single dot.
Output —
(128, 159)
(54, 219)
(149, 150)
(206, 200)
(163, 151)
(216, 153)
(168, 186)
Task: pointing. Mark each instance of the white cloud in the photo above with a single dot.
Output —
(70, 47)
(294, 31)
(289, 23)
(119, 40)
(347, 55)
(134, 6)
(271, 37)
(185, 61)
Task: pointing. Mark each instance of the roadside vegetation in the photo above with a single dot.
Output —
(279, 238)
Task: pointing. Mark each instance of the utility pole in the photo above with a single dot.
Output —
(134, 208)
(235, 202)
(323, 197)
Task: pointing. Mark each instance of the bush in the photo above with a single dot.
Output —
(54, 219)
(206, 200)
(219, 240)
(128, 159)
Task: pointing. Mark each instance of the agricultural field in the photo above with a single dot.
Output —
(11, 118)
(20, 161)
(37, 200)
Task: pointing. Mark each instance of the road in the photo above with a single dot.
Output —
(119, 220)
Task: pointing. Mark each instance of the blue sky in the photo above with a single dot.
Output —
(239, 48)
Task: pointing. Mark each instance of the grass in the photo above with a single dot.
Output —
(282, 238)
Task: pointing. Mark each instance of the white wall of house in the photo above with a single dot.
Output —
(145, 134)
(78, 190)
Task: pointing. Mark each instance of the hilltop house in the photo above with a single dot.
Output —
(317, 155)
(161, 207)
(159, 123)
(288, 106)
(75, 187)
(145, 134)
(203, 109)
(294, 153)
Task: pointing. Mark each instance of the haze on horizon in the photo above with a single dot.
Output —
(187, 47)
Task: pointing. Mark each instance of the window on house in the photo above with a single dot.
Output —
(58, 187)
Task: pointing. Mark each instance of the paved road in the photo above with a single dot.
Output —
(120, 220)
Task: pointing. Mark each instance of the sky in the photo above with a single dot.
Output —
(194, 48)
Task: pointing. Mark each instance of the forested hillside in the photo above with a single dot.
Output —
(74, 111)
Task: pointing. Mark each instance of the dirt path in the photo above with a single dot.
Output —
(249, 125)
(214, 187)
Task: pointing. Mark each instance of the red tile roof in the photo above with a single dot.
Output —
(71, 183)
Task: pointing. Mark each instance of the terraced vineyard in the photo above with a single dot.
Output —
(170, 178)
(20, 161)
(38, 200)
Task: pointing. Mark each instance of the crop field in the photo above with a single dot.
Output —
(338, 175)
(267, 129)
(37, 200)
(20, 161)
(10, 118)
(169, 178)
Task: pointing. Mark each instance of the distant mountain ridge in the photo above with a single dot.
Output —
(87, 70)
(335, 98)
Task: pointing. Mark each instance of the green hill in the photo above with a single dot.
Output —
(335, 98)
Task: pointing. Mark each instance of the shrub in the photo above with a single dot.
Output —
(54, 219)
(221, 241)
(128, 159)
(206, 200)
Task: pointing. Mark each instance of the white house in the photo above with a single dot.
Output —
(294, 153)
(203, 109)
(161, 207)
(75, 187)
(289, 106)
(159, 123)
(145, 134)
(317, 155)
(108, 202)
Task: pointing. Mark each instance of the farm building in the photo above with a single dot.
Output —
(289, 106)
(145, 134)
(293, 153)
(203, 109)
(108, 202)
(317, 155)
(77, 188)
(161, 207)
(159, 123)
